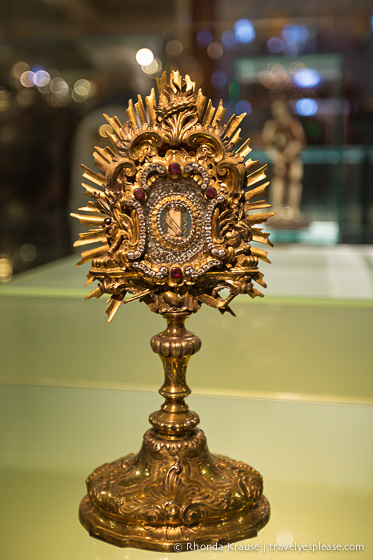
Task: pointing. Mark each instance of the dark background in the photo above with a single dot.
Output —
(64, 62)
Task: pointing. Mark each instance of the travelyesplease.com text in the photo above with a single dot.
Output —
(271, 547)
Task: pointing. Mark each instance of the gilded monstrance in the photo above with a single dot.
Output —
(177, 211)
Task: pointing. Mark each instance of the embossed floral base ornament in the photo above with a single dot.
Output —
(175, 212)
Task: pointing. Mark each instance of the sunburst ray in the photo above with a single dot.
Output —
(244, 149)
(92, 254)
(94, 177)
(140, 110)
(234, 123)
(189, 122)
(114, 304)
(150, 102)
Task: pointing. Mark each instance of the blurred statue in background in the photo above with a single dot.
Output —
(284, 139)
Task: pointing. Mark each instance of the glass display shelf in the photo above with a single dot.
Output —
(296, 402)
(302, 340)
(316, 460)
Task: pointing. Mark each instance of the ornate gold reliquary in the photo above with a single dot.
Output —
(175, 210)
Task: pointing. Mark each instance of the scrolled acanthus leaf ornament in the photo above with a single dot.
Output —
(174, 206)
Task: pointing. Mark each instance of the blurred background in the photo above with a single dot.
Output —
(63, 63)
(287, 385)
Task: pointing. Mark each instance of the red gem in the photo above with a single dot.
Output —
(174, 168)
(176, 273)
(211, 192)
(139, 193)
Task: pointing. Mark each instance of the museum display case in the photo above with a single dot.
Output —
(286, 385)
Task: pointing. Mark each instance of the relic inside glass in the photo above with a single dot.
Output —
(175, 210)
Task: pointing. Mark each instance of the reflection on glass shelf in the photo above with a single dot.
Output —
(332, 155)
(318, 233)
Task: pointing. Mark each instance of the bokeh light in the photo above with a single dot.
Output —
(243, 106)
(204, 37)
(6, 268)
(152, 68)
(104, 129)
(306, 107)
(306, 77)
(276, 76)
(295, 37)
(215, 50)
(244, 31)
(19, 68)
(174, 48)
(27, 78)
(28, 252)
(78, 98)
(41, 78)
(275, 45)
(144, 57)
(82, 87)
(229, 39)
(58, 85)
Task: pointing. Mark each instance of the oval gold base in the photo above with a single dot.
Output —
(245, 526)
(173, 496)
